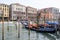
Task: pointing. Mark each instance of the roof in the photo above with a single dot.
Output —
(17, 4)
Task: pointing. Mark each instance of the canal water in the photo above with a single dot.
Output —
(12, 34)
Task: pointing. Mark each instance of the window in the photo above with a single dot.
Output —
(19, 9)
(33, 11)
(23, 13)
(5, 9)
(5, 14)
(1, 13)
(14, 17)
(5, 5)
(0, 8)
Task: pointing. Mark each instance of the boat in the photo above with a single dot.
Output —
(51, 27)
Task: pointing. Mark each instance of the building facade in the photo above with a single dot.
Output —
(59, 21)
(1, 14)
(31, 13)
(49, 14)
(4, 11)
(17, 11)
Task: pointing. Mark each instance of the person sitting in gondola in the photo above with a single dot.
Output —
(32, 25)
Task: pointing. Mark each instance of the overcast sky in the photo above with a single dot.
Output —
(39, 4)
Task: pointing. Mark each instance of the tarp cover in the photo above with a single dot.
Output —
(52, 22)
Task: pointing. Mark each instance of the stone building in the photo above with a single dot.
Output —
(31, 13)
(17, 11)
(4, 11)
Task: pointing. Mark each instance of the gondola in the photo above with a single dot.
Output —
(41, 28)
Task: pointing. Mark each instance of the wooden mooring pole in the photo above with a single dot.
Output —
(3, 28)
(19, 28)
(8, 24)
(29, 32)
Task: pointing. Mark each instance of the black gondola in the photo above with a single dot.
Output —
(41, 28)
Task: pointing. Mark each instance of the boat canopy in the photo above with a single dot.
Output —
(56, 23)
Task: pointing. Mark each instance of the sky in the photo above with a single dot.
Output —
(39, 4)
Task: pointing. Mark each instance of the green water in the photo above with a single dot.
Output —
(12, 34)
